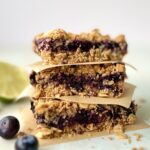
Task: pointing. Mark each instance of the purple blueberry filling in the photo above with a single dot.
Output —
(47, 44)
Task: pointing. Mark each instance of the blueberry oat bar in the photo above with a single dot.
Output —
(61, 117)
(102, 80)
(61, 47)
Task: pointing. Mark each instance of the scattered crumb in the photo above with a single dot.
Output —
(29, 129)
(129, 140)
(138, 136)
(20, 134)
(121, 136)
(142, 100)
(111, 138)
(141, 148)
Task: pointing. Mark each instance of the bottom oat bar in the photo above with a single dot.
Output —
(68, 118)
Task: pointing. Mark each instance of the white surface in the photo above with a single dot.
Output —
(21, 20)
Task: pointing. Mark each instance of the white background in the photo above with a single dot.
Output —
(20, 20)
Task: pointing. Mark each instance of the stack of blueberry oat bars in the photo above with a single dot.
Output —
(84, 65)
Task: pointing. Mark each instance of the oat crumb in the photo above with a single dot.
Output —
(141, 148)
(29, 129)
(111, 138)
(142, 100)
(129, 140)
(20, 134)
(138, 136)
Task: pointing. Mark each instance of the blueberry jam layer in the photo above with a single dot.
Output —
(61, 45)
(79, 82)
(84, 116)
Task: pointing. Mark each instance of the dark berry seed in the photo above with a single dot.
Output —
(9, 127)
(72, 45)
(32, 78)
(28, 142)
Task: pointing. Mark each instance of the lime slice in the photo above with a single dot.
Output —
(13, 80)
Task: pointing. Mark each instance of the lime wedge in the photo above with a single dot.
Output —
(13, 80)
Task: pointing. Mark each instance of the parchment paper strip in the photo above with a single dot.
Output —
(39, 66)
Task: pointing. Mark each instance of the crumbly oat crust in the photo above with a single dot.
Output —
(61, 47)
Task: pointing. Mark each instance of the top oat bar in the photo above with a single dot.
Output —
(61, 47)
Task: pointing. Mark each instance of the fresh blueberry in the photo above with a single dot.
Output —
(9, 127)
(27, 142)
